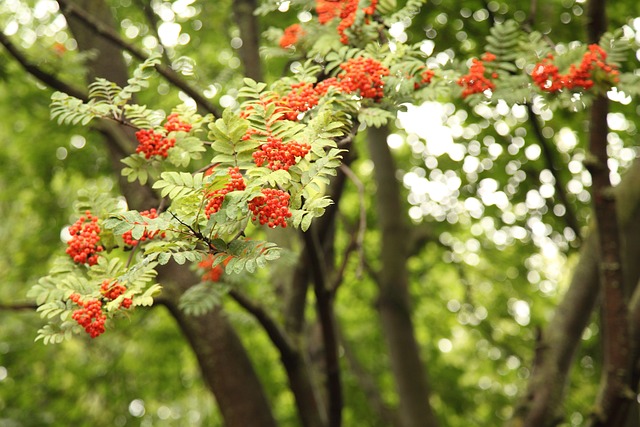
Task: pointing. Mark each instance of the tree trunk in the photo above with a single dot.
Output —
(393, 302)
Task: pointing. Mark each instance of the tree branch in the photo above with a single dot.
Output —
(46, 78)
(27, 306)
(292, 360)
(109, 34)
(570, 216)
(324, 307)
(275, 332)
(362, 223)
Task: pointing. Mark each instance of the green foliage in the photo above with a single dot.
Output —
(201, 298)
(454, 278)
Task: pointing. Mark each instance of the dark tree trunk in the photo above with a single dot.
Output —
(393, 302)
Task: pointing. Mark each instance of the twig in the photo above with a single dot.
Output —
(46, 78)
(362, 224)
(169, 74)
(339, 276)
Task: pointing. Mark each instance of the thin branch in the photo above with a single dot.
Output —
(311, 415)
(339, 276)
(277, 335)
(46, 78)
(362, 227)
(570, 216)
(18, 306)
(152, 20)
(327, 320)
(168, 73)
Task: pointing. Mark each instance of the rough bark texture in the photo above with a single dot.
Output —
(223, 360)
(393, 302)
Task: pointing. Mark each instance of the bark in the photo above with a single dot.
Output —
(225, 365)
(223, 360)
(393, 301)
(615, 393)
(250, 35)
(541, 405)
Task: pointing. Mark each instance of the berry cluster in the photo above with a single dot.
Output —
(236, 183)
(301, 98)
(547, 77)
(476, 81)
(272, 208)
(425, 78)
(212, 273)
(152, 143)
(344, 9)
(113, 290)
(278, 154)
(90, 316)
(83, 246)
(175, 124)
(291, 35)
(363, 75)
(128, 238)
(328, 9)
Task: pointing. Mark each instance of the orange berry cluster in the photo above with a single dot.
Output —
(128, 238)
(301, 98)
(363, 75)
(476, 81)
(175, 124)
(278, 154)
(344, 9)
(83, 246)
(547, 77)
(291, 35)
(90, 316)
(425, 79)
(113, 290)
(236, 183)
(152, 143)
(212, 272)
(272, 208)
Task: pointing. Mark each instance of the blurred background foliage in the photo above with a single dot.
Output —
(494, 245)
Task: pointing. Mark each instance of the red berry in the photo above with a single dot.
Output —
(272, 208)
(236, 183)
(83, 247)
